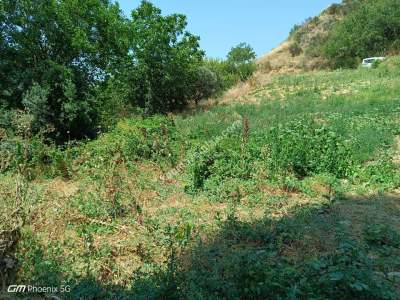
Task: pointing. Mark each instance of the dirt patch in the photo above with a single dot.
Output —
(64, 188)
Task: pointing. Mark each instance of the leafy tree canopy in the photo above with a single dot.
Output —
(64, 47)
(241, 60)
(241, 54)
(164, 60)
(370, 29)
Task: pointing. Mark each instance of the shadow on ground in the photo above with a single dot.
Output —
(341, 249)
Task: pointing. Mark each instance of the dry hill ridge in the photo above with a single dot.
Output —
(297, 53)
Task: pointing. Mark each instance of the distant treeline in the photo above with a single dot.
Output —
(69, 68)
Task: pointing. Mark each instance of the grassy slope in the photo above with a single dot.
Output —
(288, 231)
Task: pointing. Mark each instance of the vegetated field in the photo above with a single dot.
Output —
(295, 197)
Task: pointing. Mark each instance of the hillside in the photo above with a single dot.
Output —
(295, 54)
(340, 37)
(295, 196)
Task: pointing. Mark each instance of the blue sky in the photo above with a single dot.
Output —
(221, 24)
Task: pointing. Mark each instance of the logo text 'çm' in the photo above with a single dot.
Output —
(16, 288)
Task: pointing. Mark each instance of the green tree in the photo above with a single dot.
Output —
(74, 64)
(65, 47)
(240, 60)
(164, 59)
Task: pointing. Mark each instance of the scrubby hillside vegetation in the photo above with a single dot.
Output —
(111, 187)
(341, 36)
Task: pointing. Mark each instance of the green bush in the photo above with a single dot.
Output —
(33, 158)
(207, 84)
(31, 154)
(295, 49)
(334, 9)
(217, 75)
(294, 29)
(114, 104)
(306, 147)
(134, 139)
(58, 104)
(221, 159)
(381, 235)
(6, 117)
(225, 79)
(16, 200)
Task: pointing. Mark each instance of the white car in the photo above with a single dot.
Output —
(368, 62)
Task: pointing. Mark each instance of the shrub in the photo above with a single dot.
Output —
(294, 29)
(114, 104)
(307, 147)
(225, 79)
(133, 139)
(33, 157)
(58, 104)
(206, 84)
(30, 154)
(381, 235)
(6, 117)
(220, 159)
(35, 102)
(334, 9)
(295, 49)
(14, 195)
